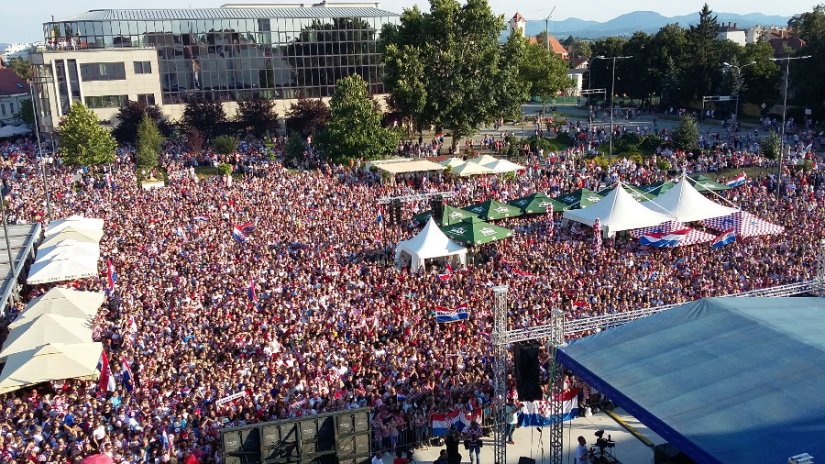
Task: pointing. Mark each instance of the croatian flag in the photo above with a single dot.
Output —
(107, 380)
(111, 276)
(250, 290)
(241, 231)
(729, 236)
(447, 275)
(741, 179)
(664, 239)
(539, 413)
(441, 423)
(446, 315)
(126, 375)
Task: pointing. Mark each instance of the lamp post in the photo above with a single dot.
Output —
(40, 149)
(547, 29)
(787, 61)
(738, 87)
(612, 90)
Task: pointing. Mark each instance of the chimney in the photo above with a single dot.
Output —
(734, 25)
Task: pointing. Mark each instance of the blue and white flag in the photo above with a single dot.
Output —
(741, 179)
(445, 315)
(723, 239)
(539, 413)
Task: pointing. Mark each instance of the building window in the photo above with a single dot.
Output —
(106, 101)
(146, 98)
(143, 67)
(103, 71)
(3, 108)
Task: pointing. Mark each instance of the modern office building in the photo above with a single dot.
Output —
(105, 57)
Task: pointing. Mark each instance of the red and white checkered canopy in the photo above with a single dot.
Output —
(744, 224)
(693, 237)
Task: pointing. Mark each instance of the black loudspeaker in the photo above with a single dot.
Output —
(437, 207)
(527, 372)
(524, 460)
(242, 446)
(395, 212)
(279, 443)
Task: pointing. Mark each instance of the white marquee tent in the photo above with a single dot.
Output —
(684, 203)
(55, 361)
(617, 211)
(430, 243)
(502, 165)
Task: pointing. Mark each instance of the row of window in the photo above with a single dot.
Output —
(116, 101)
(11, 110)
(111, 71)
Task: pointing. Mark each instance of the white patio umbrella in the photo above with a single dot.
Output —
(68, 235)
(452, 162)
(80, 228)
(470, 169)
(88, 302)
(69, 249)
(77, 223)
(45, 329)
(55, 361)
(61, 269)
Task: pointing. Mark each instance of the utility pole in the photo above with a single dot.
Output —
(787, 61)
(738, 88)
(612, 91)
(547, 29)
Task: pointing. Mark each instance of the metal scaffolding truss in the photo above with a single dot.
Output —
(553, 336)
(415, 197)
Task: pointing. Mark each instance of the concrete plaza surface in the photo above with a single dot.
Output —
(534, 444)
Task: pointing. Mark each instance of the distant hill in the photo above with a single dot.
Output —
(3, 47)
(646, 21)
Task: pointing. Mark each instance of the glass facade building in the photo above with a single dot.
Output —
(233, 51)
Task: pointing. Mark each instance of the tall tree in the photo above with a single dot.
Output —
(669, 51)
(543, 72)
(149, 143)
(22, 67)
(686, 136)
(83, 141)
(307, 116)
(258, 115)
(26, 112)
(207, 116)
(703, 73)
(601, 70)
(516, 89)
(354, 130)
(405, 75)
(466, 72)
(131, 115)
(806, 75)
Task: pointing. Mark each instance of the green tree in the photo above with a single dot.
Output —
(761, 79)
(22, 67)
(807, 85)
(225, 144)
(770, 145)
(257, 115)
(131, 115)
(406, 79)
(307, 116)
(669, 51)
(466, 72)
(601, 70)
(354, 130)
(294, 149)
(149, 143)
(83, 141)
(703, 72)
(686, 136)
(26, 113)
(544, 73)
(207, 116)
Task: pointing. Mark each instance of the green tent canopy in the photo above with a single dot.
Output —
(657, 188)
(491, 210)
(703, 183)
(536, 203)
(581, 198)
(451, 215)
(635, 192)
(474, 231)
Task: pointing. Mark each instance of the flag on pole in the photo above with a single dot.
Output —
(725, 238)
(111, 276)
(741, 179)
(597, 234)
(250, 291)
(447, 274)
(106, 381)
(126, 375)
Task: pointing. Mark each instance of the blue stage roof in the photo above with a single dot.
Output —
(726, 380)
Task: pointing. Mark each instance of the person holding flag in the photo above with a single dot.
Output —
(597, 235)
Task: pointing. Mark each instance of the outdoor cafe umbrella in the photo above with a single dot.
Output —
(69, 249)
(77, 223)
(703, 184)
(451, 215)
(48, 328)
(68, 235)
(537, 203)
(637, 193)
(53, 361)
(60, 269)
(491, 210)
(474, 231)
(657, 188)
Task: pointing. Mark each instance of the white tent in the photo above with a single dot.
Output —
(84, 225)
(69, 249)
(470, 169)
(61, 269)
(89, 301)
(483, 159)
(48, 328)
(68, 235)
(617, 211)
(55, 361)
(502, 165)
(430, 243)
(451, 162)
(684, 203)
(80, 228)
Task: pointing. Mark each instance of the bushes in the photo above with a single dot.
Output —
(225, 144)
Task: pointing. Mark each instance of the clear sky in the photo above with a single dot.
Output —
(22, 19)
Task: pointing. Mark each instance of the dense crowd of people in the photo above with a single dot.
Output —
(328, 325)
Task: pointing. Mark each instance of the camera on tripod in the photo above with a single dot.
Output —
(602, 442)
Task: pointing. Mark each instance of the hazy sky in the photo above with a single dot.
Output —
(22, 20)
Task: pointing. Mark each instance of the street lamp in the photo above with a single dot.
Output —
(612, 90)
(738, 87)
(547, 29)
(787, 61)
(40, 149)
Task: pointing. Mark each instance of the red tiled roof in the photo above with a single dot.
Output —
(557, 47)
(11, 83)
(518, 17)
